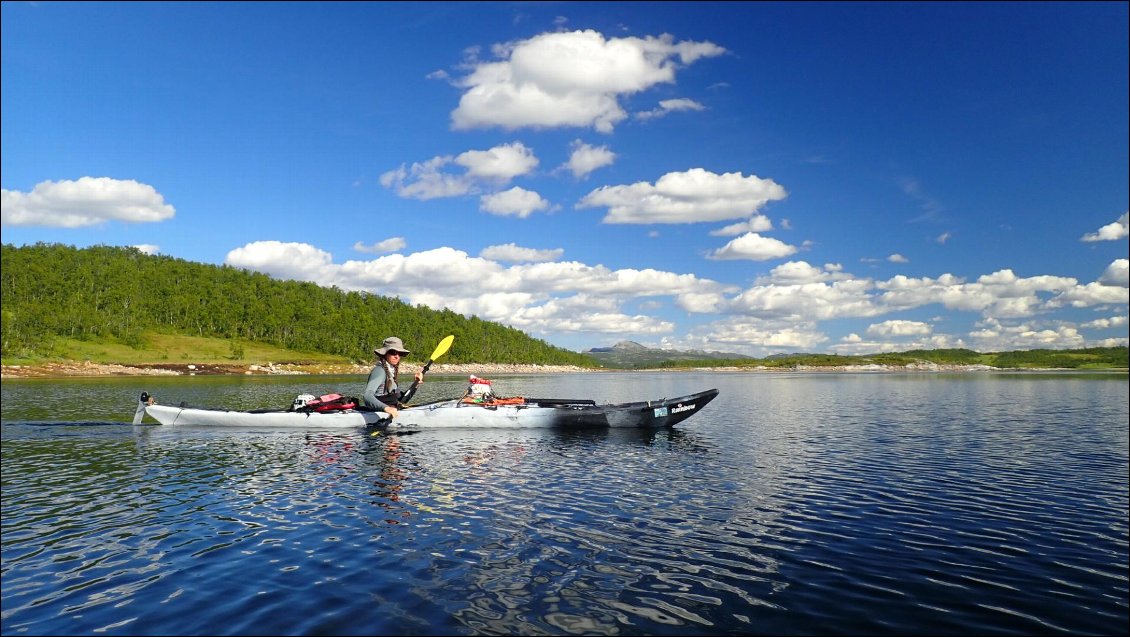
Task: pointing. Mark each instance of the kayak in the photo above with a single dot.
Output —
(445, 414)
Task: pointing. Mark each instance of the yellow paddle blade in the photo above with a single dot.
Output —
(441, 349)
(443, 346)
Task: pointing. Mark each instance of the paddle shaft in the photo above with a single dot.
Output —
(440, 350)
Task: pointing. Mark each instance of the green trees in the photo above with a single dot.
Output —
(1092, 357)
(104, 292)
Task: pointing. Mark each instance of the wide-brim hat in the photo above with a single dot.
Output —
(391, 343)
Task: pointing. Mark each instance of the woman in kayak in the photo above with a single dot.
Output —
(381, 393)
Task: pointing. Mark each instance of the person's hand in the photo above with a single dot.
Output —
(419, 377)
(391, 411)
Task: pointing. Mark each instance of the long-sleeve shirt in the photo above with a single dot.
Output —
(375, 387)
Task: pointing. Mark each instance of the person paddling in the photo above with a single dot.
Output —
(381, 392)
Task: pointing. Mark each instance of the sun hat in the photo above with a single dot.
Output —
(391, 343)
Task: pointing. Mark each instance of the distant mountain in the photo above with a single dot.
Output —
(629, 354)
(773, 357)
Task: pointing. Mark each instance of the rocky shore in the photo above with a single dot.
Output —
(88, 368)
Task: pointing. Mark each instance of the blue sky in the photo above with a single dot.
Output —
(742, 177)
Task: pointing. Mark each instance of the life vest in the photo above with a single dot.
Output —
(390, 377)
(480, 387)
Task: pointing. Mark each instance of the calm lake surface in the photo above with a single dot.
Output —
(975, 503)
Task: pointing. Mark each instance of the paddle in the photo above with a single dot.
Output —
(142, 403)
(441, 349)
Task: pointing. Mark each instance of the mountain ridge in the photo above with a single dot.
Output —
(628, 354)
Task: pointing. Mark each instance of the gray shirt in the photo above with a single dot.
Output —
(375, 387)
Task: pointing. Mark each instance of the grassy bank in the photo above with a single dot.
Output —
(174, 349)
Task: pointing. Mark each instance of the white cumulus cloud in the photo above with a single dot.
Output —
(503, 162)
(997, 337)
(516, 254)
(516, 202)
(1001, 294)
(571, 79)
(392, 244)
(754, 247)
(1105, 323)
(584, 159)
(671, 106)
(799, 272)
(685, 197)
(756, 223)
(1111, 231)
(532, 295)
(86, 201)
(426, 180)
(298, 261)
(751, 335)
(1117, 273)
(898, 328)
(808, 301)
(432, 179)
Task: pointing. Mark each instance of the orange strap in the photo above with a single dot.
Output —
(513, 400)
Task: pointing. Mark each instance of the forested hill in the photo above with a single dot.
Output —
(119, 294)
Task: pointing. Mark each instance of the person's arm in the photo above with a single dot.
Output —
(374, 387)
(394, 410)
(407, 396)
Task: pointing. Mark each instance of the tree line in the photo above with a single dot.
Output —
(119, 293)
(1084, 358)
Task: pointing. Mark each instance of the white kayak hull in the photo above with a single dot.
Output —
(170, 415)
(448, 414)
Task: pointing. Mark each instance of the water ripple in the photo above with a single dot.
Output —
(833, 506)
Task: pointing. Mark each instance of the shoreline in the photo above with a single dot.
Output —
(72, 369)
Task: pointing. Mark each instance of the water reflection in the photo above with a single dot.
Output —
(386, 453)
